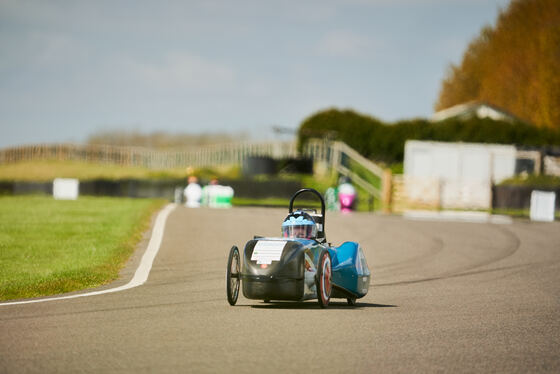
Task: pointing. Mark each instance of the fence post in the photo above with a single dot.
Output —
(386, 190)
(335, 157)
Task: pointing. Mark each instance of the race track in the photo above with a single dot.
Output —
(445, 297)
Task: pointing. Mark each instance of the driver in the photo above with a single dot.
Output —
(299, 224)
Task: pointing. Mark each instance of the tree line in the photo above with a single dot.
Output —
(514, 65)
(384, 141)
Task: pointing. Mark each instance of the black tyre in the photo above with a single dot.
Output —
(351, 301)
(232, 275)
(323, 279)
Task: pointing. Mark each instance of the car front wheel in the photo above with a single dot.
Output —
(323, 279)
(232, 275)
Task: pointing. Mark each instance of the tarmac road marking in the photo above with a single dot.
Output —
(142, 272)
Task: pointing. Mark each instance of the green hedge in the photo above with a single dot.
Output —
(536, 181)
(385, 141)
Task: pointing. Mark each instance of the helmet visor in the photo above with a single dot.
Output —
(299, 231)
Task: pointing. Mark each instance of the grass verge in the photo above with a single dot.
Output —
(51, 246)
(47, 170)
(274, 202)
(519, 213)
(537, 181)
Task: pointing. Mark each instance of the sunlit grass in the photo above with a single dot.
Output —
(48, 170)
(44, 171)
(543, 181)
(50, 246)
(519, 213)
(275, 202)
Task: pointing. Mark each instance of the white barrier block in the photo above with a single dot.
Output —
(542, 206)
(65, 188)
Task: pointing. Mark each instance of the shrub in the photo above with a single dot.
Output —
(381, 141)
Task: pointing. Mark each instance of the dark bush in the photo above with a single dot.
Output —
(385, 141)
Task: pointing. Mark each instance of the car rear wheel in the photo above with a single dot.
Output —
(232, 275)
(323, 279)
(351, 301)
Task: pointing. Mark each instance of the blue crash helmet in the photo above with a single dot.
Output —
(299, 224)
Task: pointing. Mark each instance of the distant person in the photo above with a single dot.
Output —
(331, 199)
(193, 193)
(225, 195)
(217, 196)
(346, 196)
(209, 193)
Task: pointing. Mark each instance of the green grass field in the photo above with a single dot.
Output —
(50, 246)
(47, 170)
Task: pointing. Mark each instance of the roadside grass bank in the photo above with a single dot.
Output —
(40, 171)
(518, 213)
(47, 170)
(49, 246)
(274, 202)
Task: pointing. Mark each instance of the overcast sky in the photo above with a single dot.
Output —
(69, 69)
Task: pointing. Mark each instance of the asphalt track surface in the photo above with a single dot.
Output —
(445, 297)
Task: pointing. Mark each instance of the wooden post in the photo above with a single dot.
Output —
(386, 190)
(335, 158)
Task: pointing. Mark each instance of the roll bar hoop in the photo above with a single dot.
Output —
(318, 219)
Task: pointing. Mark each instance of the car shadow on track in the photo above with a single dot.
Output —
(315, 305)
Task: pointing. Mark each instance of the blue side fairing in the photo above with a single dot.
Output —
(350, 270)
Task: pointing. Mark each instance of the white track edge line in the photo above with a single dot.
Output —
(142, 272)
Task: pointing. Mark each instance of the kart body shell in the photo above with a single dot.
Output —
(298, 269)
(292, 276)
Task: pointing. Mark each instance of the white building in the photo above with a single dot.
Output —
(455, 175)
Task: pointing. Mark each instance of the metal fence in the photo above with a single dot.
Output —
(213, 155)
(334, 156)
(339, 157)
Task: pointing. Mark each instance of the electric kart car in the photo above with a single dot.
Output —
(300, 265)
